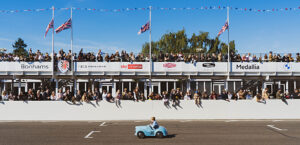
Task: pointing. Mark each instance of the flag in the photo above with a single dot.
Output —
(224, 28)
(66, 25)
(144, 28)
(50, 25)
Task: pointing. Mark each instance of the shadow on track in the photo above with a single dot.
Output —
(168, 136)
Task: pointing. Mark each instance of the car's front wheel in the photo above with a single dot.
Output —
(140, 135)
(159, 135)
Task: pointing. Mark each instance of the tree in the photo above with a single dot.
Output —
(224, 47)
(154, 48)
(214, 45)
(20, 46)
(199, 41)
(174, 42)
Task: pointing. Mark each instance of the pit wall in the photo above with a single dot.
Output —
(129, 110)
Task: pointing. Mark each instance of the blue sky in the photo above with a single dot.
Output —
(110, 31)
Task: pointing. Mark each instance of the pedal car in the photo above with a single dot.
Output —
(147, 130)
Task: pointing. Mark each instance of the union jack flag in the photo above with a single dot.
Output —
(144, 28)
(224, 28)
(66, 25)
(50, 25)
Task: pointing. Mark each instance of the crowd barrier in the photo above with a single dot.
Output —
(129, 110)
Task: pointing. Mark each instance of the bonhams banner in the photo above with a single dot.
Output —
(26, 66)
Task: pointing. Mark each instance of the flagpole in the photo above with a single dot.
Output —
(228, 52)
(71, 41)
(72, 63)
(150, 54)
(53, 43)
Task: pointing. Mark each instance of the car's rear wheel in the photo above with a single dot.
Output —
(140, 135)
(159, 135)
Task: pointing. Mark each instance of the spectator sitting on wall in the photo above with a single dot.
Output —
(151, 96)
(257, 97)
(125, 94)
(67, 96)
(176, 97)
(4, 96)
(53, 96)
(104, 95)
(97, 94)
(265, 94)
(11, 97)
(46, 94)
(295, 94)
(59, 95)
(213, 95)
(287, 95)
(241, 94)
(204, 95)
(157, 96)
(142, 97)
(279, 94)
(39, 96)
(224, 95)
(197, 98)
(117, 98)
(78, 96)
(248, 95)
(130, 96)
(89, 94)
(84, 98)
(165, 97)
(230, 96)
(188, 95)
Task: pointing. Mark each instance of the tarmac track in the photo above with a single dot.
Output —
(181, 132)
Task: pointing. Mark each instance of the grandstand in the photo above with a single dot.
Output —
(190, 72)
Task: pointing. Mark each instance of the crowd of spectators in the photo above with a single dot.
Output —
(174, 96)
(123, 56)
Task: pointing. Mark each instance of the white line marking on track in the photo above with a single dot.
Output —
(88, 135)
(272, 126)
(102, 124)
(138, 121)
(277, 120)
(231, 121)
(186, 121)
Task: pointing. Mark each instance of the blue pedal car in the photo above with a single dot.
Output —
(147, 130)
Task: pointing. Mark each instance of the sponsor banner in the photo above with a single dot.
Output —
(265, 67)
(26, 66)
(132, 66)
(63, 66)
(111, 66)
(190, 67)
(169, 65)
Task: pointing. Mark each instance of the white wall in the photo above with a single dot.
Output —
(245, 109)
